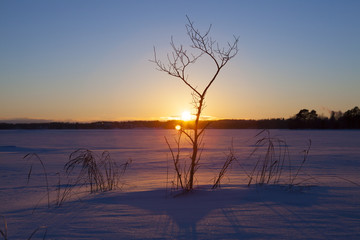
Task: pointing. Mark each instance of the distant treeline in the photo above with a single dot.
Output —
(304, 119)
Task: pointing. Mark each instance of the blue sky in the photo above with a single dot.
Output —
(89, 60)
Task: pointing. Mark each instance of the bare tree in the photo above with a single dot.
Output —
(177, 65)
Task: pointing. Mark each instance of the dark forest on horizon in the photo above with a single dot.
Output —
(304, 119)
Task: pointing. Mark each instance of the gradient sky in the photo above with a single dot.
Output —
(89, 60)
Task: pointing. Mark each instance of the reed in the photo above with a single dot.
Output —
(304, 159)
(268, 167)
(177, 167)
(230, 158)
(63, 192)
(273, 161)
(30, 158)
(100, 172)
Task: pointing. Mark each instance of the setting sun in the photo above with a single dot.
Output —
(186, 116)
(178, 127)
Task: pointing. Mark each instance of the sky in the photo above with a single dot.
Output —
(88, 60)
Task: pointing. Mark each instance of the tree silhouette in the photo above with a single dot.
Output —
(177, 65)
(352, 118)
(305, 115)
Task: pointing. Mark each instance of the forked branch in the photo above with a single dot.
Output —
(179, 60)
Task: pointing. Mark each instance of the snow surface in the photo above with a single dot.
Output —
(326, 205)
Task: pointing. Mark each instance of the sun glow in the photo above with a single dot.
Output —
(178, 127)
(186, 116)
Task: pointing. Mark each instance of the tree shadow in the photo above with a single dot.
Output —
(188, 211)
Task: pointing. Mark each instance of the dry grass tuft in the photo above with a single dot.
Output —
(100, 172)
(268, 167)
(273, 161)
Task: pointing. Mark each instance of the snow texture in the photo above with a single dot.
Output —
(324, 205)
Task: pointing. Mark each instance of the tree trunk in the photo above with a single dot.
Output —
(195, 144)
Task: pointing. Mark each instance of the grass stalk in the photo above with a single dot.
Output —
(176, 160)
(4, 232)
(305, 157)
(31, 156)
(38, 229)
(229, 160)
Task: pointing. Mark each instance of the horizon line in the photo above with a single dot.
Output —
(45, 121)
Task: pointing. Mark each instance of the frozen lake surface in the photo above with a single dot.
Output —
(326, 205)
